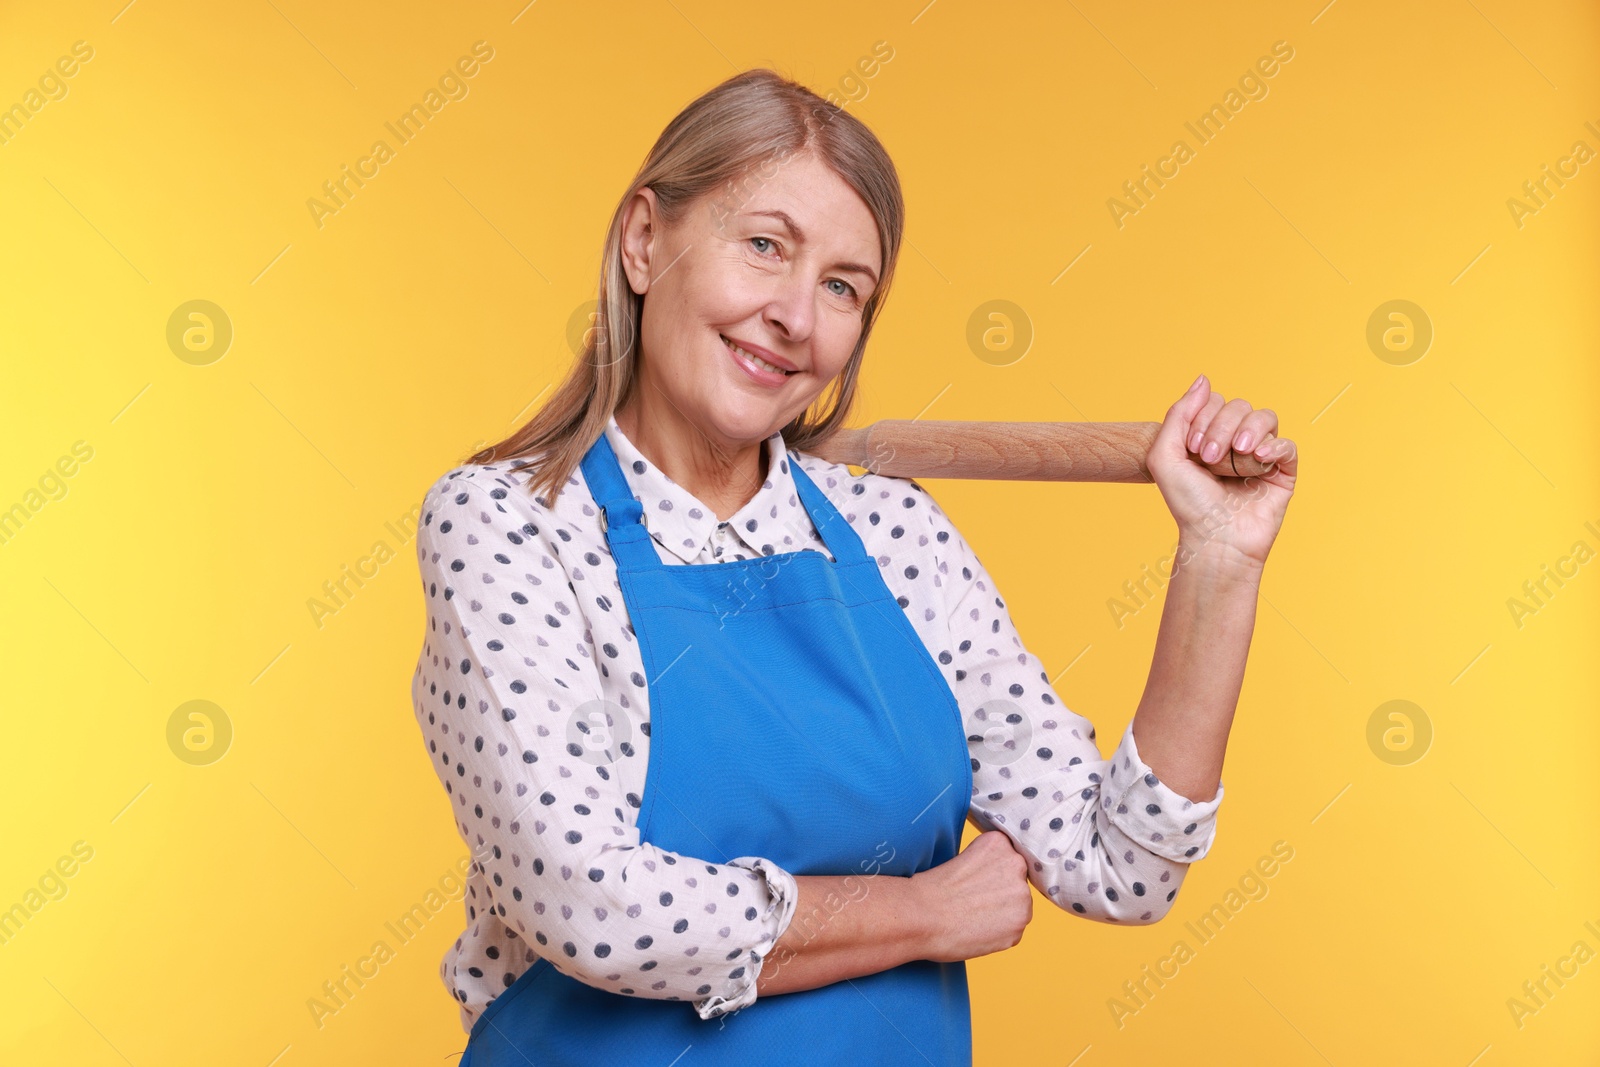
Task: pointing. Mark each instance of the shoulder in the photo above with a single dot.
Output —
(493, 480)
(924, 561)
(464, 499)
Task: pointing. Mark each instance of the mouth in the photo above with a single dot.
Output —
(757, 367)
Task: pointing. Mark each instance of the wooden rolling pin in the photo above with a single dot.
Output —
(1033, 451)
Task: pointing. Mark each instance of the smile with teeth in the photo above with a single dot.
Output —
(753, 358)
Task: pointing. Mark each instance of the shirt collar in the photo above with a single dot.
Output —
(682, 524)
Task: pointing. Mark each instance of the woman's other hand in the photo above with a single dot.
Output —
(1241, 514)
(977, 902)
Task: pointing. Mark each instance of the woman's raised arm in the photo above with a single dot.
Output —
(1105, 839)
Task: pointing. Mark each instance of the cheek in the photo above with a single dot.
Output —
(841, 343)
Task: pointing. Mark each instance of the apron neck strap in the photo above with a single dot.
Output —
(841, 539)
(619, 511)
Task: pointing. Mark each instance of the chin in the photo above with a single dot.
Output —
(746, 424)
(746, 428)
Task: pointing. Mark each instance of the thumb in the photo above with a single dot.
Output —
(1174, 433)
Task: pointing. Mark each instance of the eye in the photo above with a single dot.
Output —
(849, 291)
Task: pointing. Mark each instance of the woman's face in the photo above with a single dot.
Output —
(788, 290)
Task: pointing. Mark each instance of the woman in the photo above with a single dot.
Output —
(814, 667)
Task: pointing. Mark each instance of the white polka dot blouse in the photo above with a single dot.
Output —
(561, 871)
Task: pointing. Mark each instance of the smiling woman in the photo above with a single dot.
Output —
(799, 203)
(655, 574)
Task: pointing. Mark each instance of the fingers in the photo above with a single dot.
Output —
(1210, 427)
(1212, 433)
(1256, 427)
(1187, 405)
(1285, 454)
(1175, 426)
(1280, 451)
(1232, 425)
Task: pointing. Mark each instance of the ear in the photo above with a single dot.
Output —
(640, 227)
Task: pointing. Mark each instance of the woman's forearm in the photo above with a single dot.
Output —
(1182, 722)
(853, 925)
(843, 927)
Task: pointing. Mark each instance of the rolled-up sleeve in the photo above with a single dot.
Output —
(1148, 810)
(1105, 839)
(505, 676)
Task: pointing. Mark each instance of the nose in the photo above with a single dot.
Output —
(792, 310)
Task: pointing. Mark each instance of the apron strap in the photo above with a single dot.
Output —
(841, 539)
(620, 513)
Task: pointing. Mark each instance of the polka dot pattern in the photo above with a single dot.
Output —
(526, 622)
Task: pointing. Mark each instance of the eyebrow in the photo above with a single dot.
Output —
(799, 234)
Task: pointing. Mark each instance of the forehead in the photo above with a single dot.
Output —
(829, 214)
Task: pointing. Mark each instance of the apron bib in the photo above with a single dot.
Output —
(795, 714)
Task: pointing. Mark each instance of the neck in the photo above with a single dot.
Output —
(722, 475)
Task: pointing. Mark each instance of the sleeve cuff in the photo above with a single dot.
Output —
(782, 893)
(1154, 814)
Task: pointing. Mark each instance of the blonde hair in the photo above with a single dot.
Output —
(728, 137)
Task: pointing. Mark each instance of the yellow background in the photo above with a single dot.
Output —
(371, 354)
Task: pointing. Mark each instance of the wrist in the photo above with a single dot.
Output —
(1217, 559)
(919, 911)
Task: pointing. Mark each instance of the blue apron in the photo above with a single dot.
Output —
(795, 714)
